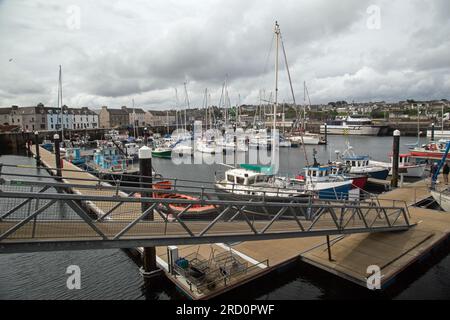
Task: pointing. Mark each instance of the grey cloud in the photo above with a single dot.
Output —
(143, 49)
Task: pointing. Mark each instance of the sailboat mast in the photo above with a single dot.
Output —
(418, 124)
(61, 104)
(187, 100)
(277, 33)
(304, 106)
(206, 108)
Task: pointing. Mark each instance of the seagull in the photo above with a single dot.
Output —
(10, 60)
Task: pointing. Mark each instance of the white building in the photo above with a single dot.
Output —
(72, 118)
(85, 119)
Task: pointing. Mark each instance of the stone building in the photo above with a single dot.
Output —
(136, 116)
(113, 118)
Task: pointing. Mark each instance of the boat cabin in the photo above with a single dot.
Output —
(403, 159)
(357, 161)
(245, 177)
(317, 173)
(108, 158)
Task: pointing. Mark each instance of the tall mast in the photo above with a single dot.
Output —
(206, 108)
(60, 102)
(187, 100)
(275, 105)
(176, 107)
(304, 105)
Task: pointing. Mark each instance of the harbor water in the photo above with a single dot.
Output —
(112, 274)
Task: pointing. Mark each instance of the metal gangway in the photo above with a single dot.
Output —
(51, 214)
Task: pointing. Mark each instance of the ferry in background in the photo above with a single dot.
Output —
(351, 126)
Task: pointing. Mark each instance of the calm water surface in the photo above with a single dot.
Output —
(111, 274)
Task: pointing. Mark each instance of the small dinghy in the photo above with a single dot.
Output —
(196, 211)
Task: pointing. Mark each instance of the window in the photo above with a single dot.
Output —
(240, 180)
(251, 180)
(353, 163)
(51, 126)
(42, 126)
(230, 178)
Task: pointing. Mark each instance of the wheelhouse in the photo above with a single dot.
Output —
(357, 162)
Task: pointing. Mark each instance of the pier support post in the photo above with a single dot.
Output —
(395, 158)
(326, 133)
(57, 155)
(145, 170)
(36, 143)
(432, 131)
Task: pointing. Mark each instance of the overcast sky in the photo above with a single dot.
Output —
(114, 51)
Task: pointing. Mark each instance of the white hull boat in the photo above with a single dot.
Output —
(308, 138)
(442, 198)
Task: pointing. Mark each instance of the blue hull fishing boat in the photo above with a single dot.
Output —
(73, 155)
(47, 145)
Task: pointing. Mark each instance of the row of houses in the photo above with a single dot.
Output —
(40, 117)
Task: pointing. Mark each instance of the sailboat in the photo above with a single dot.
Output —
(257, 181)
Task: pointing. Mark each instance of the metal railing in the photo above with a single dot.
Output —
(37, 215)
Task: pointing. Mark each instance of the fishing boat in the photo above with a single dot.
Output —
(109, 163)
(318, 179)
(131, 150)
(73, 155)
(47, 145)
(351, 126)
(361, 164)
(406, 165)
(257, 182)
(359, 181)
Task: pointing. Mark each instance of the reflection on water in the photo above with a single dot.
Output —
(111, 274)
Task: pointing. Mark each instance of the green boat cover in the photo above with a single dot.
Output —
(257, 168)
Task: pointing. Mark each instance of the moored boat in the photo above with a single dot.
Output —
(442, 198)
(407, 167)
